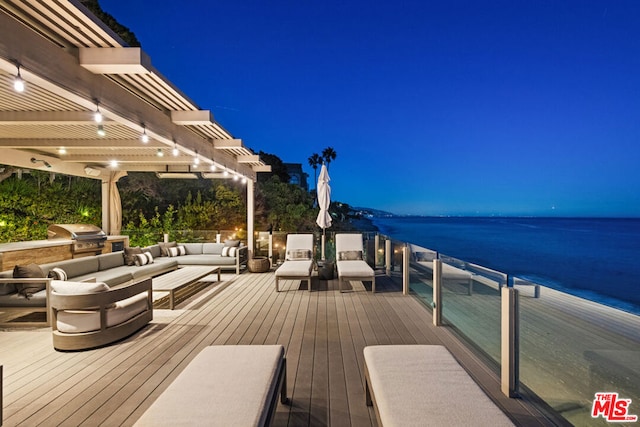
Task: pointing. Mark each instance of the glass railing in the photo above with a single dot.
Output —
(572, 348)
(569, 348)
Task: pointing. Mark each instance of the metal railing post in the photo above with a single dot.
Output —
(387, 256)
(405, 270)
(271, 249)
(510, 336)
(376, 249)
(437, 292)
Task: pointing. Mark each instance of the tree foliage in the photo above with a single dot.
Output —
(30, 202)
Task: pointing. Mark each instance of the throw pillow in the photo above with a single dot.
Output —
(143, 259)
(235, 243)
(164, 247)
(349, 255)
(299, 254)
(129, 254)
(29, 271)
(56, 273)
(177, 251)
(225, 251)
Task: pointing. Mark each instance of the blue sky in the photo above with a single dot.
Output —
(433, 107)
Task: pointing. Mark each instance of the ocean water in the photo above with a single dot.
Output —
(594, 258)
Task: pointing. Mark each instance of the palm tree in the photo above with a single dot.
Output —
(314, 161)
(329, 154)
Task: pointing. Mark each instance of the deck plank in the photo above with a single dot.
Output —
(323, 332)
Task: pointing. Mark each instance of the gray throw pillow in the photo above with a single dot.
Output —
(233, 243)
(29, 271)
(130, 255)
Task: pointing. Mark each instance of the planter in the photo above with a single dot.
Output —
(259, 264)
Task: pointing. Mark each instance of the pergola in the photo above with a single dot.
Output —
(73, 66)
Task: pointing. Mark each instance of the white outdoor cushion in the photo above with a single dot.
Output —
(301, 268)
(299, 241)
(224, 385)
(417, 385)
(76, 321)
(354, 269)
(77, 288)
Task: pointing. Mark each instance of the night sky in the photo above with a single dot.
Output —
(433, 107)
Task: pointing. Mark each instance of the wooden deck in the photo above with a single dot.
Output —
(323, 332)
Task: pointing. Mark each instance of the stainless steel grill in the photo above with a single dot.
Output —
(87, 238)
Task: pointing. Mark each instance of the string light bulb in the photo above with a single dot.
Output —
(159, 153)
(175, 150)
(144, 137)
(18, 83)
(196, 160)
(101, 131)
(97, 116)
(212, 167)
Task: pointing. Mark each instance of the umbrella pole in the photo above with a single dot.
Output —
(324, 230)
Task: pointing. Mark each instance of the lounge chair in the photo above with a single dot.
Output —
(298, 263)
(350, 261)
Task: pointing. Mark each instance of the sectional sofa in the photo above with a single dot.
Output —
(117, 269)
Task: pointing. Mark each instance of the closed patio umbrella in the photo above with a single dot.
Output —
(324, 200)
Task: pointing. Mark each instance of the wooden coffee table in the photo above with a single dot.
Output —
(178, 279)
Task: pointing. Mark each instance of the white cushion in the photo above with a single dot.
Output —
(224, 385)
(299, 241)
(77, 321)
(424, 384)
(348, 242)
(77, 288)
(354, 269)
(300, 268)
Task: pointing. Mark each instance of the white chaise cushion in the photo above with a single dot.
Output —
(416, 385)
(224, 385)
(291, 268)
(77, 321)
(354, 269)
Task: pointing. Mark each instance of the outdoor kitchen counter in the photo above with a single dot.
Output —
(43, 251)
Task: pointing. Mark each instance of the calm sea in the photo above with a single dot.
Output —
(594, 258)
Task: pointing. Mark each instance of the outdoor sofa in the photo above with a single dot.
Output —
(114, 269)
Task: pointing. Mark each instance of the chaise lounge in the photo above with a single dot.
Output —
(224, 385)
(416, 385)
(350, 261)
(298, 263)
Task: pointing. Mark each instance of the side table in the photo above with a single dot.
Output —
(259, 264)
(326, 270)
